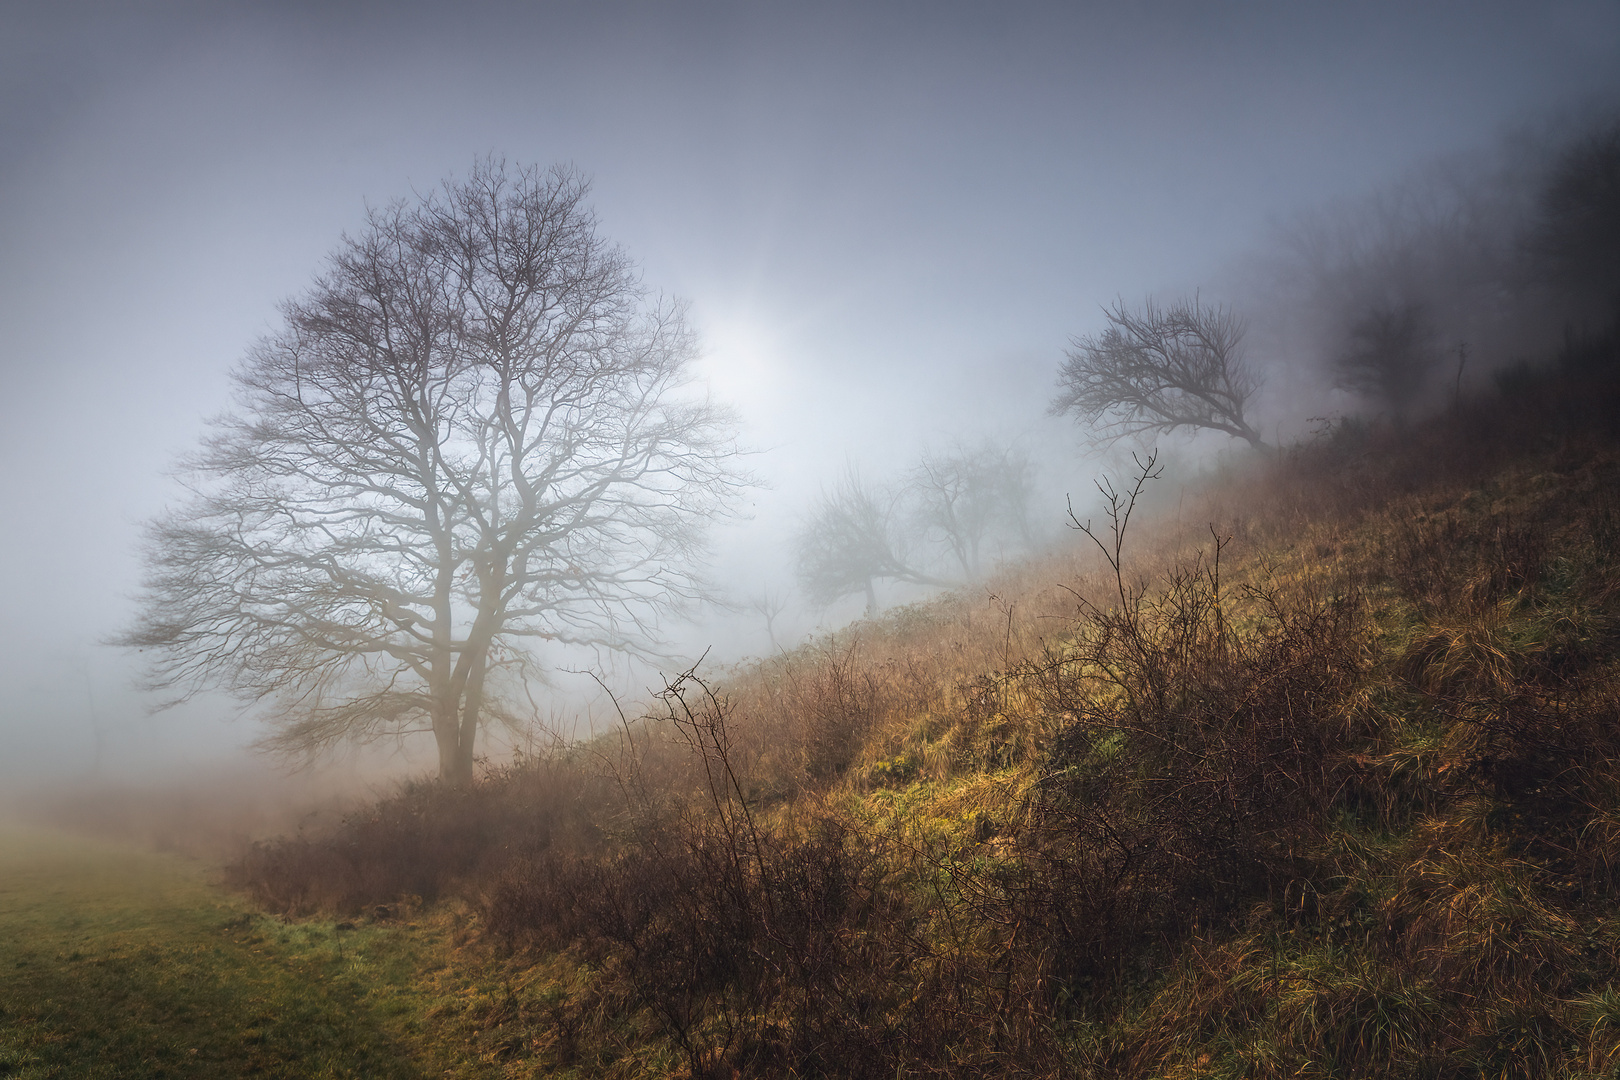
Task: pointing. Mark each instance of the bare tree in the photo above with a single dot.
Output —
(473, 434)
(1390, 357)
(969, 494)
(850, 542)
(1160, 369)
(768, 604)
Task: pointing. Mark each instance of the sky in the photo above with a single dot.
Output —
(888, 219)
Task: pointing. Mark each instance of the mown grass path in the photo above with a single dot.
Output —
(117, 963)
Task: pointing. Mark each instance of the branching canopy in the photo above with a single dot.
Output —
(969, 494)
(1576, 241)
(849, 542)
(1390, 356)
(1160, 369)
(472, 434)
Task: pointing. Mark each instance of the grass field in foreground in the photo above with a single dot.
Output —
(117, 963)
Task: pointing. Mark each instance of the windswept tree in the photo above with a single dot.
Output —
(475, 433)
(1158, 370)
(967, 495)
(851, 541)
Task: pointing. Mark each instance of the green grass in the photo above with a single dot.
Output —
(115, 963)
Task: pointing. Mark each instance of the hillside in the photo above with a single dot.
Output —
(1314, 772)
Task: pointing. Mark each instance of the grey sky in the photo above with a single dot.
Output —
(888, 218)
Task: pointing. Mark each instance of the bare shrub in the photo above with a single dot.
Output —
(1197, 762)
(419, 842)
(750, 943)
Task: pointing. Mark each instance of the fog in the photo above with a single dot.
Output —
(889, 222)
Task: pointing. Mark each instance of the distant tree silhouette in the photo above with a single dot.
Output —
(966, 495)
(1160, 369)
(850, 541)
(768, 604)
(1447, 238)
(1390, 357)
(1576, 240)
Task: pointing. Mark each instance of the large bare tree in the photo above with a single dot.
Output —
(1159, 369)
(474, 433)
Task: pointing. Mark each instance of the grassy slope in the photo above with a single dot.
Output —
(1351, 810)
(1445, 911)
(1381, 842)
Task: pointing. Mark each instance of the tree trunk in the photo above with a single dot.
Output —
(472, 703)
(457, 771)
(455, 728)
(458, 712)
(447, 733)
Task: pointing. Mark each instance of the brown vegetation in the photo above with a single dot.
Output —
(1320, 776)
